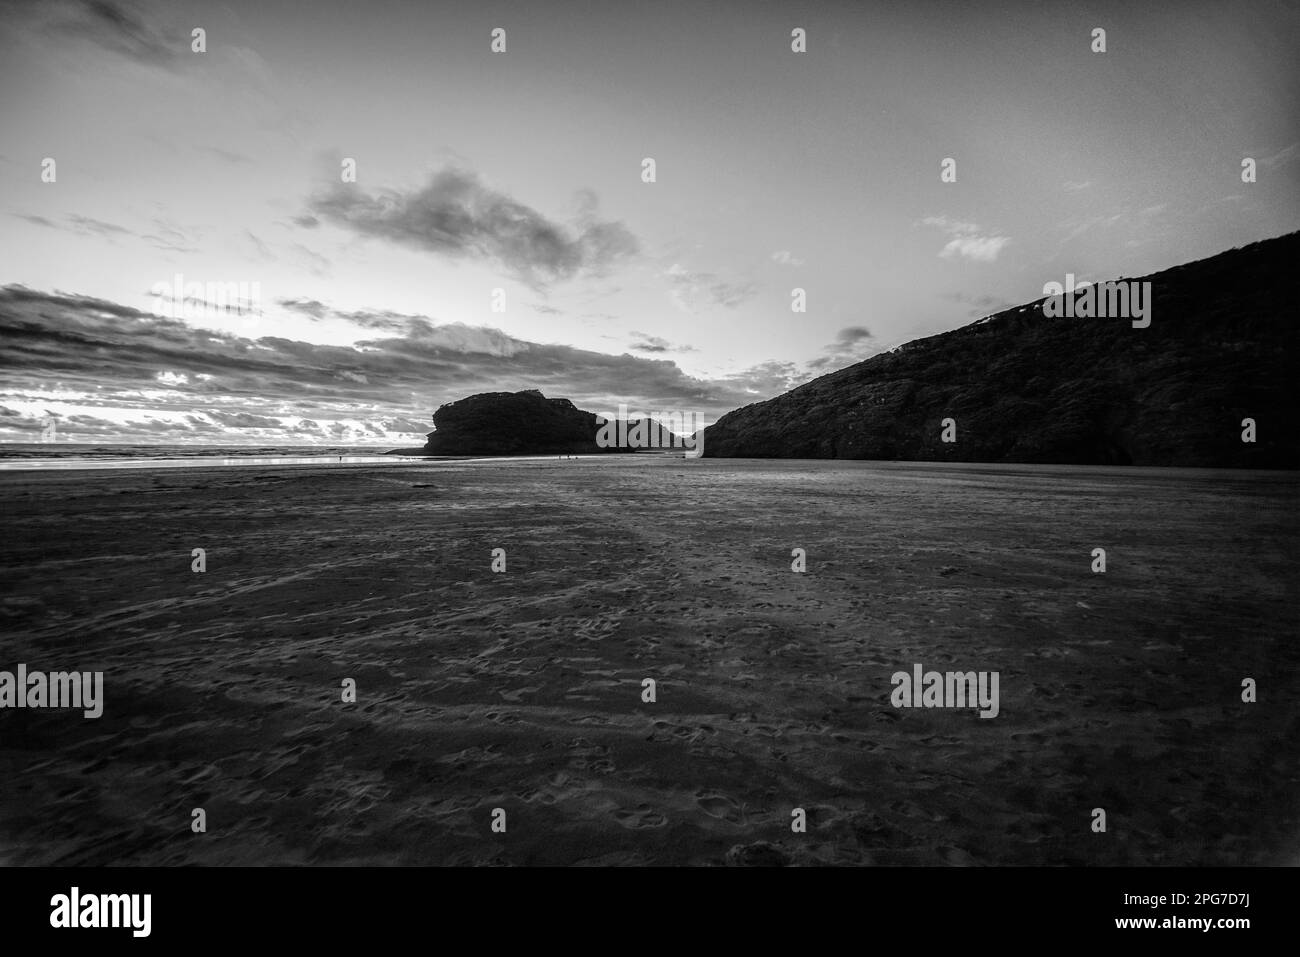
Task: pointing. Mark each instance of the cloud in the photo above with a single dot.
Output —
(768, 379)
(785, 258)
(692, 291)
(456, 216)
(317, 264)
(1280, 158)
(1071, 186)
(387, 321)
(452, 336)
(115, 27)
(168, 237)
(1145, 221)
(982, 306)
(648, 343)
(852, 344)
(852, 335)
(98, 226)
(306, 307)
(968, 240)
(651, 344)
(81, 355)
(243, 420)
(82, 225)
(237, 159)
(977, 248)
(1079, 227)
(262, 250)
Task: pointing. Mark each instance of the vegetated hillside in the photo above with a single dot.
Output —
(1021, 387)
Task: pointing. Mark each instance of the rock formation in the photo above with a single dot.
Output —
(524, 423)
(1021, 387)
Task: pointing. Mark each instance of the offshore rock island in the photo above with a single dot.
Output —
(527, 423)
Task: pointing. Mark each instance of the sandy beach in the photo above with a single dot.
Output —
(522, 690)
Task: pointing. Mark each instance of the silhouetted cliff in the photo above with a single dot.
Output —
(1021, 387)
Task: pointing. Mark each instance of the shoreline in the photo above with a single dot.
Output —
(385, 460)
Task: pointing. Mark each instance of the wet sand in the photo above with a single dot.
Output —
(522, 690)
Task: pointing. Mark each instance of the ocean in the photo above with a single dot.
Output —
(19, 456)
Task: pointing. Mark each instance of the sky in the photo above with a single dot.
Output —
(500, 234)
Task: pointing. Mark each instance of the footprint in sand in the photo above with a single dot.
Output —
(586, 756)
(643, 816)
(539, 795)
(758, 854)
(514, 696)
(721, 807)
(872, 831)
(454, 805)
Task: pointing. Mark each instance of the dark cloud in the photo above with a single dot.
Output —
(114, 356)
(852, 335)
(243, 420)
(84, 225)
(166, 237)
(97, 226)
(307, 307)
(852, 344)
(454, 336)
(766, 380)
(115, 27)
(387, 321)
(202, 425)
(455, 215)
(648, 343)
